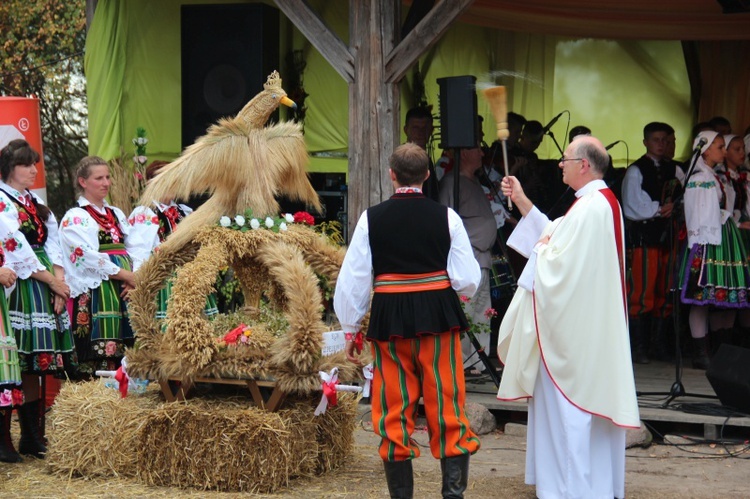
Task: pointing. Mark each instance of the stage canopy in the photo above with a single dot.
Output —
(613, 65)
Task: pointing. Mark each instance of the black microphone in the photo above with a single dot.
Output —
(551, 123)
(613, 144)
(702, 142)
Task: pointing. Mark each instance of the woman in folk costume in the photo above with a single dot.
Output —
(96, 241)
(154, 224)
(715, 270)
(37, 313)
(11, 393)
(737, 188)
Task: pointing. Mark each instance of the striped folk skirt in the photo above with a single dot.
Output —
(100, 318)
(717, 275)
(10, 370)
(44, 338)
(210, 310)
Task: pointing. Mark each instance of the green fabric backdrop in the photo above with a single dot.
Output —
(132, 67)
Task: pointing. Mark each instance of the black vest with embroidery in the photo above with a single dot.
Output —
(409, 234)
(651, 232)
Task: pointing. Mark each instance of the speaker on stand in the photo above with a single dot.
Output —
(458, 130)
(228, 50)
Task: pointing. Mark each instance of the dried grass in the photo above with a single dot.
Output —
(280, 266)
(210, 444)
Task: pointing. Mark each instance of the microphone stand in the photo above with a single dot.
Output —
(552, 136)
(677, 389)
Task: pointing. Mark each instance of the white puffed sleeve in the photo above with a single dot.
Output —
(19, 255)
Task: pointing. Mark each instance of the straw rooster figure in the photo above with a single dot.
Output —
(241, 163)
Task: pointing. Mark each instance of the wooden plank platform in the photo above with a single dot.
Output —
(653, 384)
(178, 390)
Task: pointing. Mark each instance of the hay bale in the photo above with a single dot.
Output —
(224, 445)
(92, 430)
(214, 443)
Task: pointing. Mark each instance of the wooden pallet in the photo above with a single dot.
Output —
(272, 404)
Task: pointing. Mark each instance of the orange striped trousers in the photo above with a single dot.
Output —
(649, 279)
(405, 370)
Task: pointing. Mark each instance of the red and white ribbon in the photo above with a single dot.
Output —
(330, 380)
(122, 380)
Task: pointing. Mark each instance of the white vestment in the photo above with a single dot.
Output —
(568, 320)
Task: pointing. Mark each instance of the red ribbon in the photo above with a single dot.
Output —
(329, 390)
(122, 379)
(358, 340)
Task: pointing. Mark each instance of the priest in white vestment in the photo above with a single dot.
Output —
(564, 339)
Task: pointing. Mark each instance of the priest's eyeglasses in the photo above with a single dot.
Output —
(564, 159)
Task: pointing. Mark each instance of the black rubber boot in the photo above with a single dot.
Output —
(700, 353)
(400, 479)
(31, 443)
(640, 329)
(8, 453)
(455, 476)
(662, 340)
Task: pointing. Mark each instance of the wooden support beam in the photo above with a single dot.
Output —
(424, 35)
(373, 104)
(320, 36)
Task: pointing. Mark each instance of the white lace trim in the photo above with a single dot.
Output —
(706, 234)
(8, 343)
(39, 320)
(24, 268)
(79, 284)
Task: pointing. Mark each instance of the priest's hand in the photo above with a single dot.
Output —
(512, 189)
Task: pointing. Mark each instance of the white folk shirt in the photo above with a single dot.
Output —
(145, 224)
(703, 214)
(574, 319)
(79, 230)
(21, 258)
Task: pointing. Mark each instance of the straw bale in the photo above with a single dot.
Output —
(225, 446)
(92, 431)
(212, 443)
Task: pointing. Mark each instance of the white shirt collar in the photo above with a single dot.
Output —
(594, 185)
(82, 201)
(13, 192)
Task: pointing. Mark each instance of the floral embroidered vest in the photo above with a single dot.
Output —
(31, 225)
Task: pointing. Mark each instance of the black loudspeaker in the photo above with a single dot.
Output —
(228, 51)
(458, 112)
(729, 375)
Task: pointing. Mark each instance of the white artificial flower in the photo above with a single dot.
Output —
(289, 218)
(282, 226)
(142, 141)
(225, 221)
(141, 160)
(254, 223)
(269, 222)
(239, 220)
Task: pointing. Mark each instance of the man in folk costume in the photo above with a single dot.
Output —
(420, 256)
(564, 338)
(647, 202)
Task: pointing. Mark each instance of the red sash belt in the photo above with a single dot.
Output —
(408, 283)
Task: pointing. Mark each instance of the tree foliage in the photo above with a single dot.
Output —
(41, 54)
